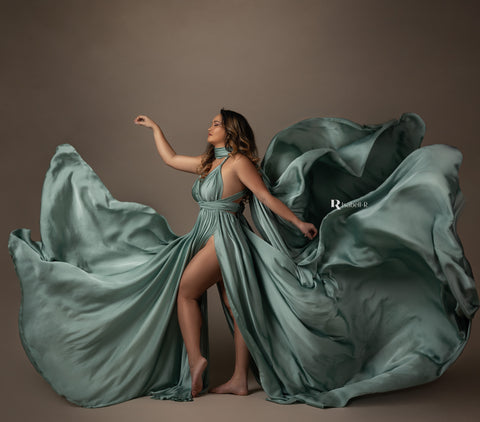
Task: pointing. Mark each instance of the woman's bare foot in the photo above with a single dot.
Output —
(196, 372)
(233, 386)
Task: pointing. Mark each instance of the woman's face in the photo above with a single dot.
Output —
(216, 132)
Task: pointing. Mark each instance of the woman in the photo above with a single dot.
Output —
(381, 299)
(229, 131)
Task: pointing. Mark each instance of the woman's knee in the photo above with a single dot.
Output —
(229, 309)
(187, 291)
(225, 298)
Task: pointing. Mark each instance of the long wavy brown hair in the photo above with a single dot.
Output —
(239, 139)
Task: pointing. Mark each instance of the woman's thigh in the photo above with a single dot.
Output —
(202, 271)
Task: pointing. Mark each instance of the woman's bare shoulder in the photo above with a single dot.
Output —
(243, 165)
(241, 159)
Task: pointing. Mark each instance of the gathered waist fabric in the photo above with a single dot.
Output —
(220, 205)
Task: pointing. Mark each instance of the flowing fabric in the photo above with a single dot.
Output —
(381, 299)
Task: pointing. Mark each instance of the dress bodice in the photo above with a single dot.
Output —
(209, 190)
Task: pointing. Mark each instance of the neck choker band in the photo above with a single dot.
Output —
(221, 152)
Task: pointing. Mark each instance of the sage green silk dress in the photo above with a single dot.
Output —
(381, 299)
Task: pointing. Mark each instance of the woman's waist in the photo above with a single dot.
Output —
(222, 206)
(228, 203)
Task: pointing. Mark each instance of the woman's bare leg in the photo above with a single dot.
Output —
(201, 272)
(238, 383)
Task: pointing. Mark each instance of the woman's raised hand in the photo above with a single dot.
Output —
(144, 121)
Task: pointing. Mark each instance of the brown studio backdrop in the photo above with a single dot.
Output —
(80, 71)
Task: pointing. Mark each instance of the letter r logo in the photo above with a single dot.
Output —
(335, 203)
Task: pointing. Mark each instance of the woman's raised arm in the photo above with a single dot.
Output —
(169, 156)
(249, 176)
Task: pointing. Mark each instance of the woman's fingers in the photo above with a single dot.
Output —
(141, 120)
(311, 231)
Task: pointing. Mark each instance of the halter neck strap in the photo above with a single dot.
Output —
(221, 152)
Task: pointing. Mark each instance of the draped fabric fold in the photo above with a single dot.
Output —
(381, 299)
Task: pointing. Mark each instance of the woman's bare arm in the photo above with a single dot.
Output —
(249, 176)
(169, 156)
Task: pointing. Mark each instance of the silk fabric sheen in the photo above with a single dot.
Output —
(381, 299)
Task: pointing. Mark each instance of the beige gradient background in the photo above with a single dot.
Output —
(80, 71)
